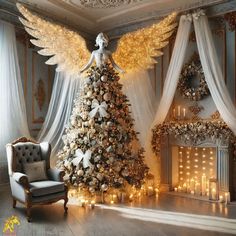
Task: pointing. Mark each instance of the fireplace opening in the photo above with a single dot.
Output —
(196, 170)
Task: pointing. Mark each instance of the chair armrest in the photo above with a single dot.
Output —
(55, 174)
(21, 178)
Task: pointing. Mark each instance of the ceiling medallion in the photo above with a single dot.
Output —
(106, 3)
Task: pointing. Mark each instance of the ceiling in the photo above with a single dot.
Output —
(93, 16)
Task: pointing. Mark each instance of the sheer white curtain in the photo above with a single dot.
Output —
(170, 85)
(174, 69)
(13, 119)
(212, 70)
(65, 88)
(138, 88)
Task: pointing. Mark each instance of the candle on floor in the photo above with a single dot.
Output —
(178, 111)
(92, 204)
(213, 194)
(150, 191)
(184, 112)
(176, 189)
(221, 199)
(174, 112)
(227, 198)
(203, 184)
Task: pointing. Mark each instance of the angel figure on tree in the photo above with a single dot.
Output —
(101, 149)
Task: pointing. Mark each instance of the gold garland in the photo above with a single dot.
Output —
(192, 132)
(190, 70)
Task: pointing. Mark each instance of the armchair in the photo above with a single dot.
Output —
(30, 193)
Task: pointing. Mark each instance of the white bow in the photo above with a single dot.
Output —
(82, 156)
(101, 108)
(198, 13)
(187, 17)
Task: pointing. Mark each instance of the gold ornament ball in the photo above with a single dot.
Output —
(80, 172)
(104, 187)
(89, 93)
(107, 96)
(104, 78)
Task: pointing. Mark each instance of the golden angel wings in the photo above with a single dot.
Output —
(135, 50)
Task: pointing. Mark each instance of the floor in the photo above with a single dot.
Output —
(166, 215)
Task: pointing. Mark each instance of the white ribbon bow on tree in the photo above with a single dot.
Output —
(82, 156)
(101, 108)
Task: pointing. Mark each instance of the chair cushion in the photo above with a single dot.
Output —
(41, 188)
(35, 170)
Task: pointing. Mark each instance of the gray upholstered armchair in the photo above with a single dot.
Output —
(28, 157)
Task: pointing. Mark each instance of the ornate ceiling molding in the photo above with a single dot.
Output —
(106, 3)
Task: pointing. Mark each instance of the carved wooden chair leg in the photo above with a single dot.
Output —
(65, 207)
(14, 203)
(28, 213)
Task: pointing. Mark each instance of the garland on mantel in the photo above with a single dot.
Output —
(192, 132)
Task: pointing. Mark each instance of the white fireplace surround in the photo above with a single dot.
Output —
(169, 163)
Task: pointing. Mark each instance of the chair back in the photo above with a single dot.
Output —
(25, 150)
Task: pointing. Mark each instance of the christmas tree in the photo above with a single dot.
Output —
(101, 148)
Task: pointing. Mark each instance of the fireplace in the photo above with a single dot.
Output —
(203, 170)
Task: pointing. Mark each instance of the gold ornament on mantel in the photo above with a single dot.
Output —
(67, 48)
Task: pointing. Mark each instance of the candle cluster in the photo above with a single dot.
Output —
(196, 167)
(179, 113)
(113, 196)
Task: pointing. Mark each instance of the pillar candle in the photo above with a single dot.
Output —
(178, 110)
(213, 194)
(203, 184)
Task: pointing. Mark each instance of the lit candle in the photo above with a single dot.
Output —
(221, 199)
(192, 192)
(82, 202)
(179, 111)
(150, 191)
(197, 188)
(227, 198)
(174, 112)
(92, 204)
(131, 197)
(213, 194)
(176, 189)
(203, 184)
(156, 191)
(184, 112)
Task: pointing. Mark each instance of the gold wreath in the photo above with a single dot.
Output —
(190, 70)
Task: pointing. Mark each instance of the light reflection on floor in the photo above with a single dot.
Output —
(212, 223)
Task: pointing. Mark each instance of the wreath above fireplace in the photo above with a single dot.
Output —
(190, 71)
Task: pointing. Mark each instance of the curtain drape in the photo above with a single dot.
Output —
(212, 70)
(65, 89)
(138, 88)
(174, 69)
(13, 118)
(169, 89)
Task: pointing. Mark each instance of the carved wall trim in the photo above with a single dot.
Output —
(40, 94)
(40, 119)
